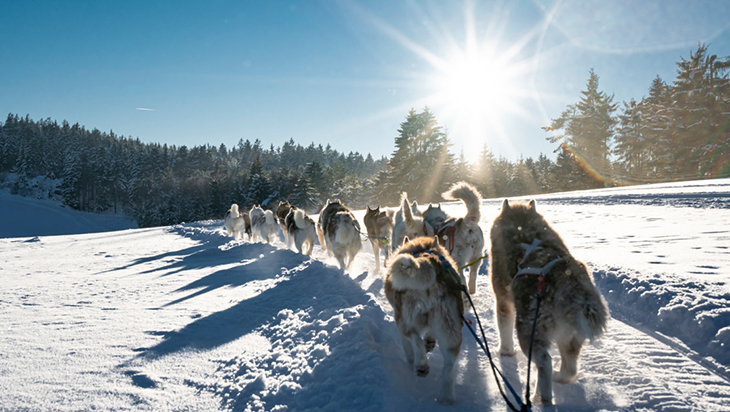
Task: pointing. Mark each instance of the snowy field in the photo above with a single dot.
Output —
(184, 318)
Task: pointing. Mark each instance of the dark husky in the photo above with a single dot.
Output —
(427, 305)
(528, 258)
(379, 224)
(339, 233)
(282, 210)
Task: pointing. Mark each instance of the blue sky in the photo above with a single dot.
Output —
(339, 72)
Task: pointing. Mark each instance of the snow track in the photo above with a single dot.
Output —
(184, 318)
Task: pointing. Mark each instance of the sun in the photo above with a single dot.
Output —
(473, 91)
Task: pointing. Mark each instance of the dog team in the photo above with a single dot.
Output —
(425, 255)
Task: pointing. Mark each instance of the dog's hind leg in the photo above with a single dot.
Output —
(544, 364)
(506, 325)
(320, 235)
(569, 353)
(420, 359)
(376, 253)
(447, 390)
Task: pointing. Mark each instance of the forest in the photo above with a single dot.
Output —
(679, 131)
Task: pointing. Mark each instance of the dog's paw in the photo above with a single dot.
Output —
(541, 401)
(506, 352)
(423, 370)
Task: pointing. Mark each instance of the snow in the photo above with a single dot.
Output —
(185, 318)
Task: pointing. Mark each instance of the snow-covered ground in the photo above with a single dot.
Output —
(184, 318)
(28, 217)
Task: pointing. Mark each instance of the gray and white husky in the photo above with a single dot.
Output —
(463, 237)
(236, 223)
(339, 233)
(263, 224)
(409, 223)
(300, 231)
(528, 258)
(427, 306)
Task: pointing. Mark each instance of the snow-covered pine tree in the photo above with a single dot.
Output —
(587, 128)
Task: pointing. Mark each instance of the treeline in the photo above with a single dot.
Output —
(161, 185)
(678, 132)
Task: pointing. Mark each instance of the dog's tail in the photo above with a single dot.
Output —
(471, 198)
(407, 273)
(593, 316)
(300, 218)
(234, 211)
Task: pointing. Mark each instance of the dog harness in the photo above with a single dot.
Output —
(541, 271)
(447, 232)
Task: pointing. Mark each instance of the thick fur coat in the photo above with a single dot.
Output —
(465, 242)
(237, 223)
(524, 246)
(379, 225)
(301, 231)
(427, 306)
(409, 223)
(263, 224)
(339, 233)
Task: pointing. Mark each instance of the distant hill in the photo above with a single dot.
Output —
(28, 217)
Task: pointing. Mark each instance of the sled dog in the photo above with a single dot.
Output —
(529, 259)
(339, 233)
(379, 225)
(427, 306)
(282, 211)
(301, 230)
(409, 224)
(435, 217)
(463, 237)
(237, 223)
(263, 224)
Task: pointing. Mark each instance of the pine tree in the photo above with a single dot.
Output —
(421, 164)
(587, 131)
(630, 145)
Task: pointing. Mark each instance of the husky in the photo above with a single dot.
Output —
(379, 225)
(236, 223)
(409, 224)
(339, 233)
(529, 260)
(435, 217)
(282, 211)
(263, 224)
(463, 237)
(301, 230)
(427, 306)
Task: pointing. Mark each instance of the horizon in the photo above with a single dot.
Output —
(343, 73)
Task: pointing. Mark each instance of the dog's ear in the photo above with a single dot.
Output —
(406, 240)
(505, 205)
(531, 205)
